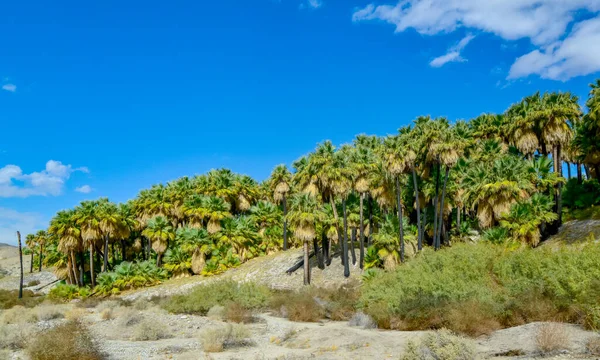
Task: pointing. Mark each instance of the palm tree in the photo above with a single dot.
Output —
(31, 245)
(197, 242)
(41, 238)
(362, 163)
(302, 217)
(160, 231)
(88, 218)
(280, 181)
(217, 209)
(524, 218)
(65, 227)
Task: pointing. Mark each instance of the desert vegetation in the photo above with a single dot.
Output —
(377, 201)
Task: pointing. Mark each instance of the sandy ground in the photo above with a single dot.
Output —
(277, 338)
(10, 269)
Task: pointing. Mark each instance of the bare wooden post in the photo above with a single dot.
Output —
(21, 261)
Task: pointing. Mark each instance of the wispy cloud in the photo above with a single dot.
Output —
(12, 221)
(9, 87)
(50, 181)
(85, 189)
(311, 4)
(545, 23)
(453, 54)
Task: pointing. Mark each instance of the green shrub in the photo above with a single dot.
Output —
(151, 331)
(230, 335)
(440, 345)
(10, 298)
(581, 196)
(130, 275)
(69, 341)
(499, 287)
(298, 306)
(68, 292)
(202, 298)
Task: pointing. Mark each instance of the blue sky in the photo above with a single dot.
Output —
(107, 98)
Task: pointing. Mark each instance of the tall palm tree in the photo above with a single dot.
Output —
(31, 246)
(160, 231)
(65, 227)
(88, 218)
(217, 209)
(41, 237)
(302, 217)
(280, 182)
(197, 242)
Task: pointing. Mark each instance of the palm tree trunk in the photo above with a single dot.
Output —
(441, 218)
(285, 240)
(558, 169)
(579, 173)
(306, 264)
(92, 277)
(435, 208)
(105, 269)
(345, 242)
(74, 265)
(400, 227)
(458, 217)
(420, 230)
(361, 258)
(123, 256)
(371, 222)
(337, 222)
(31, 263)
(325, 248)
(21, 263)
(568, 170)
(320, 263)
(352, 241)
(113, 254)
(82, 267)
(41, 257)
(159, 259)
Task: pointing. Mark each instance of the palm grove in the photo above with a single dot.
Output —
(373, 203)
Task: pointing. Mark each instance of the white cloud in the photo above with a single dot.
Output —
(9, 87)
(12, 221)
(453, 54)
(544, 22)
(312, 4)
(578, 54)
(50, 181)
(85, 189)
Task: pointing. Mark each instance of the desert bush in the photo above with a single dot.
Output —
(127, 317)
(298, 306)
(362, 320)
(50, 312)
(130, 275)
(442, 345)
(231, 335)
(75, 314)
(202, 298)
(141, 304)
(107, 314)
(237, 313)
(552, 337)
(18, 315)
(69, 341)
(108, 304)
(581, 196)
(68, 292)
(10, 298)
(216, 312)
(15, 337)
(475, 289)
(593, 346)
(340, 303)
(33, 283)
(151, 331)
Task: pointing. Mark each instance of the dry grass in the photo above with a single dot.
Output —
(33, 283)
(107, 314)
(69, 341)
(75, 314)
(237, 313)
(15, 337)
(108, 304)
(151, 331)
(442, 344)
(127, 317)
(552, 337)
(216, 312)
(231, 335)
(362, 320)
(50, 312)
(19, 315)
(298, 306)
(470, 318)
(593, 346)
